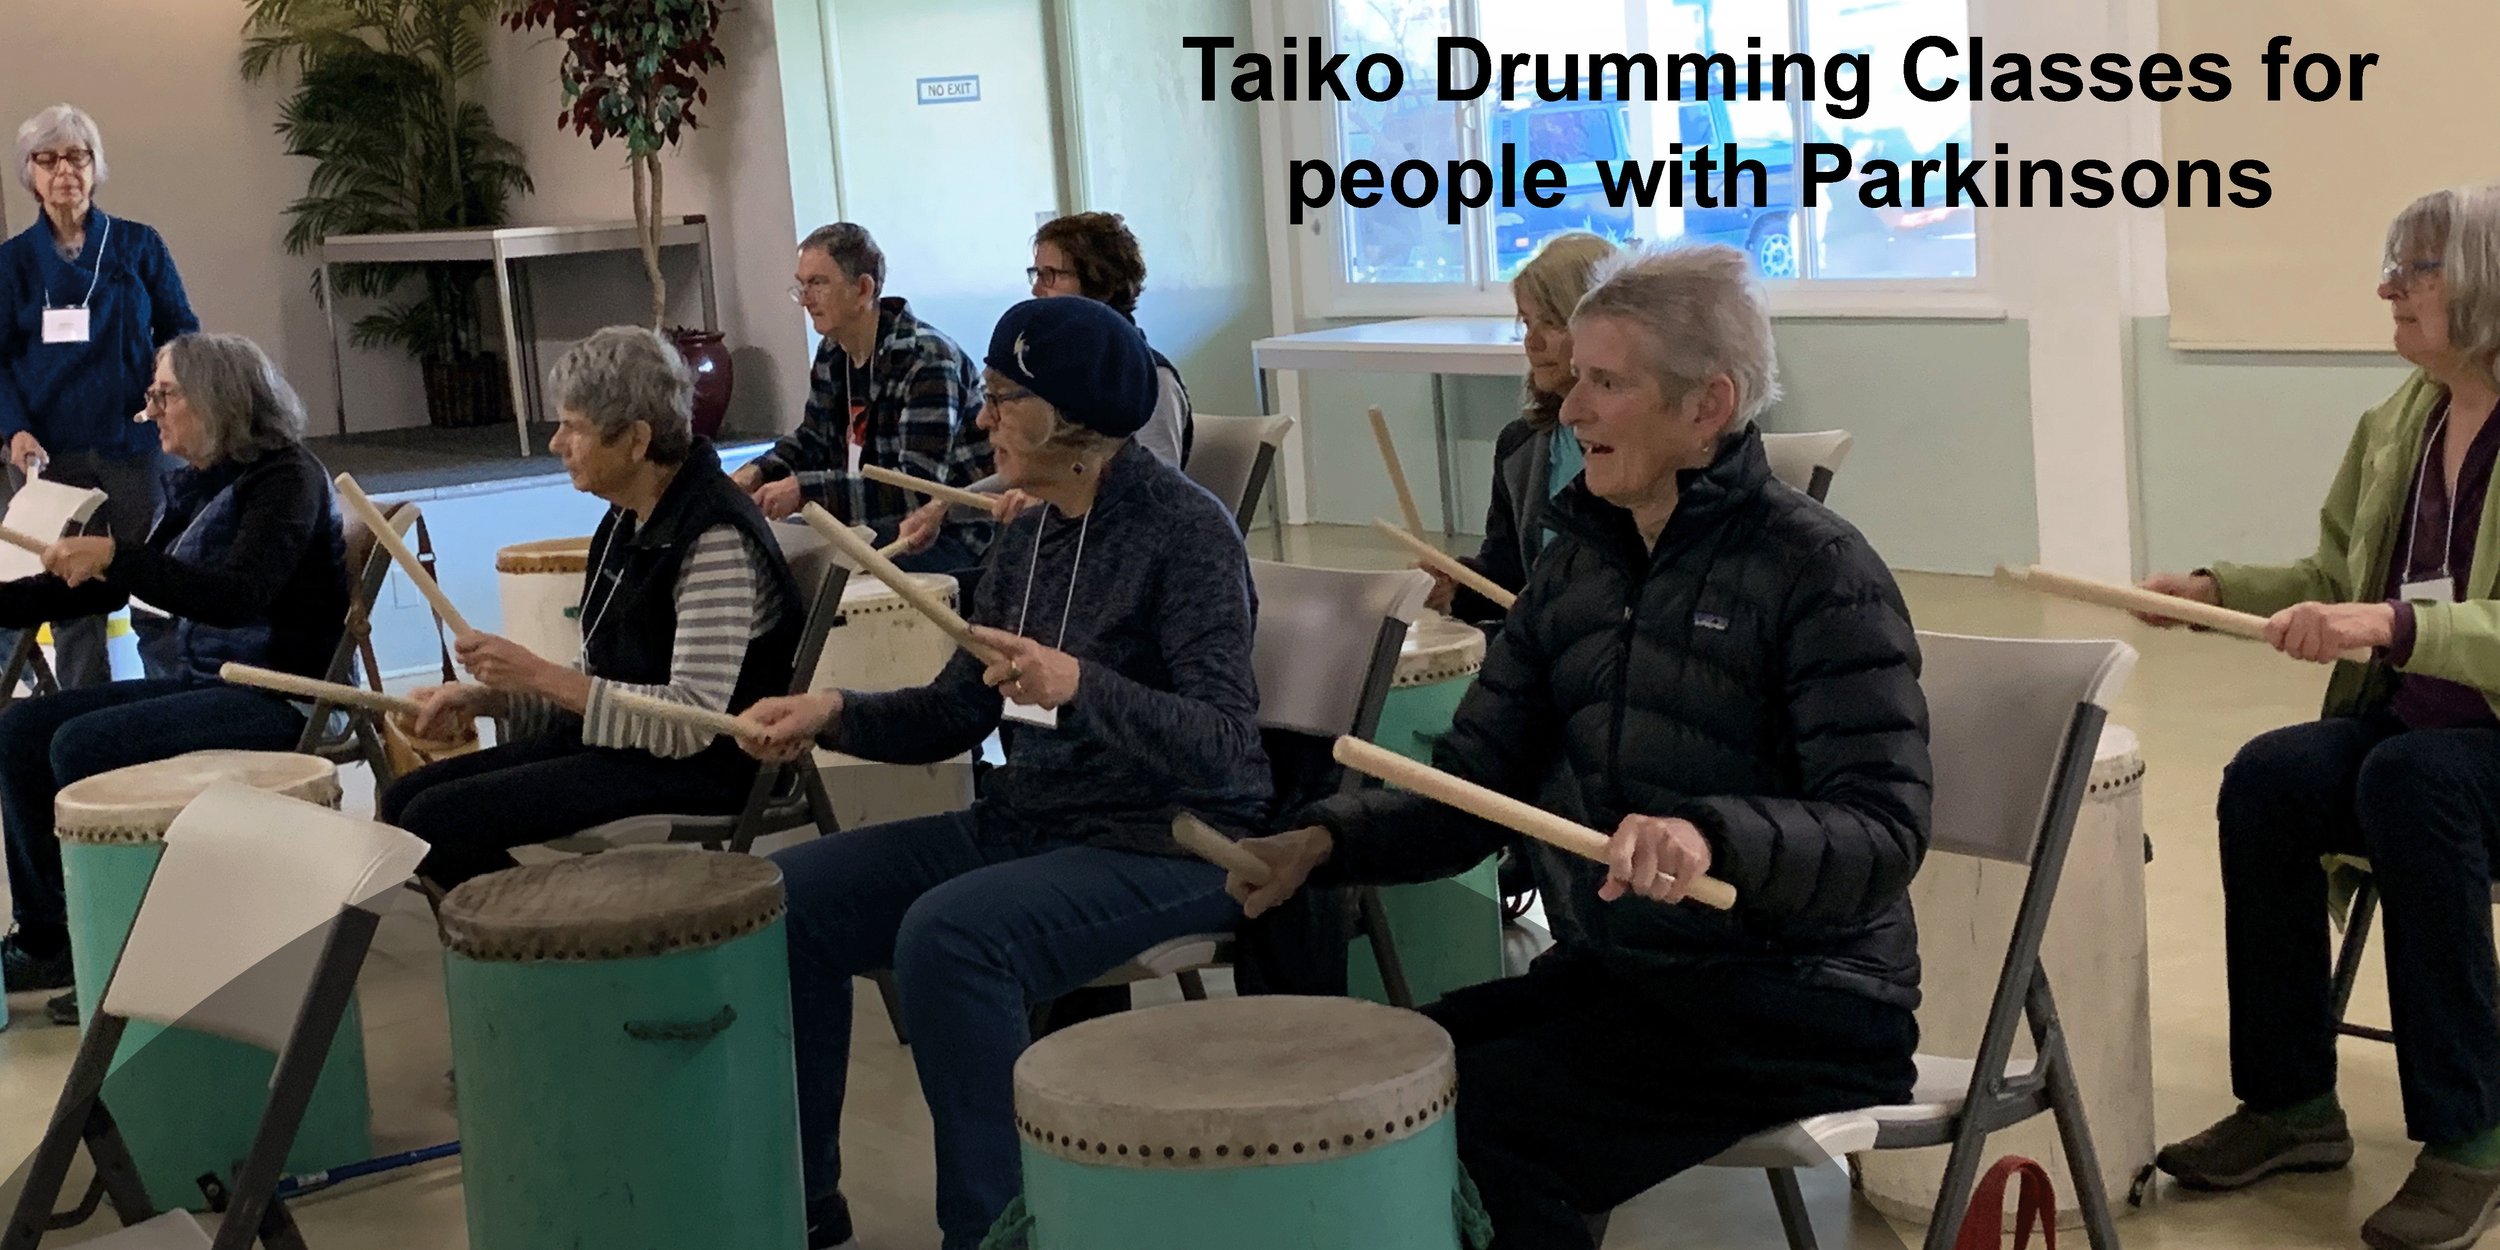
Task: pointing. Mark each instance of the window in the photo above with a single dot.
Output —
(1597, 134)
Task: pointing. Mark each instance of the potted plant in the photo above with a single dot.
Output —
(633, 71)
(382, 105)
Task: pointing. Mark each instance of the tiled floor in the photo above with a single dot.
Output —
(2193, 700)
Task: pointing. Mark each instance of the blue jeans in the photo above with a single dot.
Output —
(975, 932)
(47, 743)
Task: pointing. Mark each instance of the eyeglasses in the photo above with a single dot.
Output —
(160, 397)
(1008, 396)
(813, 286)
(2405, 273)
(75, 158)
(1051, 274)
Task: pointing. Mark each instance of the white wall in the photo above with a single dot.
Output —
(194, 155)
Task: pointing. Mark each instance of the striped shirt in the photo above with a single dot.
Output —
(723, 604)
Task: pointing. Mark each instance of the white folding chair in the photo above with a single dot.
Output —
(1808, 461)
(46, 510)
(253, 928)
(2014, 723)
(1235, 459)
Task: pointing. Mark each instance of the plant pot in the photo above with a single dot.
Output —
(466, 390)
(708, 356)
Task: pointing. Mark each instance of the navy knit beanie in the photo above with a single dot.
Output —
(1085, 359)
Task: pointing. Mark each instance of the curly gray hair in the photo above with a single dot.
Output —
(245, 406)
(624, 374)
(1704, 315)
(58, 125)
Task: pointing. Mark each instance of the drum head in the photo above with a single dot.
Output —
(138, 803)
(1235, 1082)
(1437, 649)
(864, 594)
(625, 904)
(546, 555)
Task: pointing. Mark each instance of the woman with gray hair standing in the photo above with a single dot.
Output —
(686, 599)
(2402, 768)
(85, 301)
(249, 563)
(1724, 673)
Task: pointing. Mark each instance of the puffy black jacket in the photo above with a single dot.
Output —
(1755, 674)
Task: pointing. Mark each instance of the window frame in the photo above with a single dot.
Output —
(1310, 132)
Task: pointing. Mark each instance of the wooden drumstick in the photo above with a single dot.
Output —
(867, 557)
(23, 541)
(2137, 599)
(1201, 839)
(1375, 761)
(955, 495)
(1450, 564)
(1397, 473)
(686, 714)
(388, 535)
(322, 691)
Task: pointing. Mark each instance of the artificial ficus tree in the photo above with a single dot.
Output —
(632, 71)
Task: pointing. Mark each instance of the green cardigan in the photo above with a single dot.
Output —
(2357, 532)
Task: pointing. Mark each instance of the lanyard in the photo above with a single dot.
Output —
(2413, 517)
(603, 577)
(1041, 522)
(102, 246)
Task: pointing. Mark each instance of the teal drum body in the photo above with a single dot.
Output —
(620, 1037)
(1241, 1124)
(1449, 933)
(187, 1101)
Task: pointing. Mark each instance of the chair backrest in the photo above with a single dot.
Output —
(2007, 725)
(1232, 456)
(1808, 461)
(247, 875)
(1327, 644)
(46, 510)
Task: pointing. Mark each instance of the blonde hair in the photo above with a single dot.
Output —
(1551, 284)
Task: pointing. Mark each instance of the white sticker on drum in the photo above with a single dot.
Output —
(1026, 713)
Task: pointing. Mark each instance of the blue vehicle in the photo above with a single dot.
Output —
(1582, 133)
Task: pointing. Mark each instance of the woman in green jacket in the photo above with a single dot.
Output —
(2403, 768)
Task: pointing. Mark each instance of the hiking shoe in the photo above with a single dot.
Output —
(2441, 1206)
(2247, 1146)
(23, 970)
(62, 1009)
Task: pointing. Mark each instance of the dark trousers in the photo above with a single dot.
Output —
(47, 743)
(134, 490)
(473, 809)
(1580, 1088)
(2423, 806)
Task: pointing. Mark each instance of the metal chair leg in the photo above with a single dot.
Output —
(1791, 1202)
(2348, 957)
(1375, 920)
(1193, 986)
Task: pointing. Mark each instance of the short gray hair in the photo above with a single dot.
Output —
(2460, 228)
(245, 406)
(59, 124)
(1704, 316)
(850, 246)
(625, 374)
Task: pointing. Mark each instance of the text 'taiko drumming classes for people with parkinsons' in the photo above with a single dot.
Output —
(1845, 85)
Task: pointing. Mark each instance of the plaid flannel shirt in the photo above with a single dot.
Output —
(923, 398)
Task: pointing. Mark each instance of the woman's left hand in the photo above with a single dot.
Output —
(79, 559)
(2322, 632)
(1031, 673)
(1656, 858)
(502, 664)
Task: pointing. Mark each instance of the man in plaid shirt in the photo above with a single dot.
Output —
(886, 389)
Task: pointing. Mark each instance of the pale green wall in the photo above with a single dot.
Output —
(2234, 450)
(1185, 174)
(1940, 478)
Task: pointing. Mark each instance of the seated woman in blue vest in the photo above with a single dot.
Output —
(687, 599)
(248, 562)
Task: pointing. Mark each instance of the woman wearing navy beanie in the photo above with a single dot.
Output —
(1122, 606)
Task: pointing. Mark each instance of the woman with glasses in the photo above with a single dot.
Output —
(86, 300)
(2403, 769)
(249, 563)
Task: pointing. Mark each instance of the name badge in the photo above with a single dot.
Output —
(65, 325)
(1026, 713)
(2429, 590)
